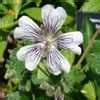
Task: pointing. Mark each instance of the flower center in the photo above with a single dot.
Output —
(48, 42)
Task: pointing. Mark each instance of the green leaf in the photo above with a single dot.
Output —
(25, 97)
(34, 13)
(15, 65)
(87, 29)
(96, 47)
(68, 25)
(68, 20)
(74, 78)
(17, 96)
(69, 7)
(13, 96)
(71, 2)
(39, 75)
(9, 1)
(93, 61)
(68, 55)
(3, 9)
(42, 97)
(2, 48)
(15, 5)
(97, 88)
(89, 91)
(28, 85)
(38, 2)
(6, 22)
(91, 6)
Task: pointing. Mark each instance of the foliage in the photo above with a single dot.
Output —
(91, 6)
(82, 83)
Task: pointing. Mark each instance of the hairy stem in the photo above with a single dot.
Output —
(90, 44)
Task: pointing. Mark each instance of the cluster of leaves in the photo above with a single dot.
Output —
(83, 80)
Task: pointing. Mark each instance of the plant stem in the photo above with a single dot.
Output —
(90, 44)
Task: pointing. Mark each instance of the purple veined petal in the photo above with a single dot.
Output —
(54, 19)
(21, 33)
(28, 28)
(45, 12)
(21, 54)
(71, 38)
(29, 24)
(31, 55)
(71, 41)
(56, 62)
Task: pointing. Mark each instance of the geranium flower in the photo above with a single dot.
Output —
(47, 40)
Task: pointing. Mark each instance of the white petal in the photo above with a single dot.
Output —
(46, 11)
(71, 41)
(21, 54)
(33, 58)
(27, 22)
(71, 38)
(21, 33)
(27, 28)
(31, 55)
(56, 62)
(54, 19)
(76, 49)
(97, 26)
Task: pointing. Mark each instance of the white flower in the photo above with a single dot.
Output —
(45, 42)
